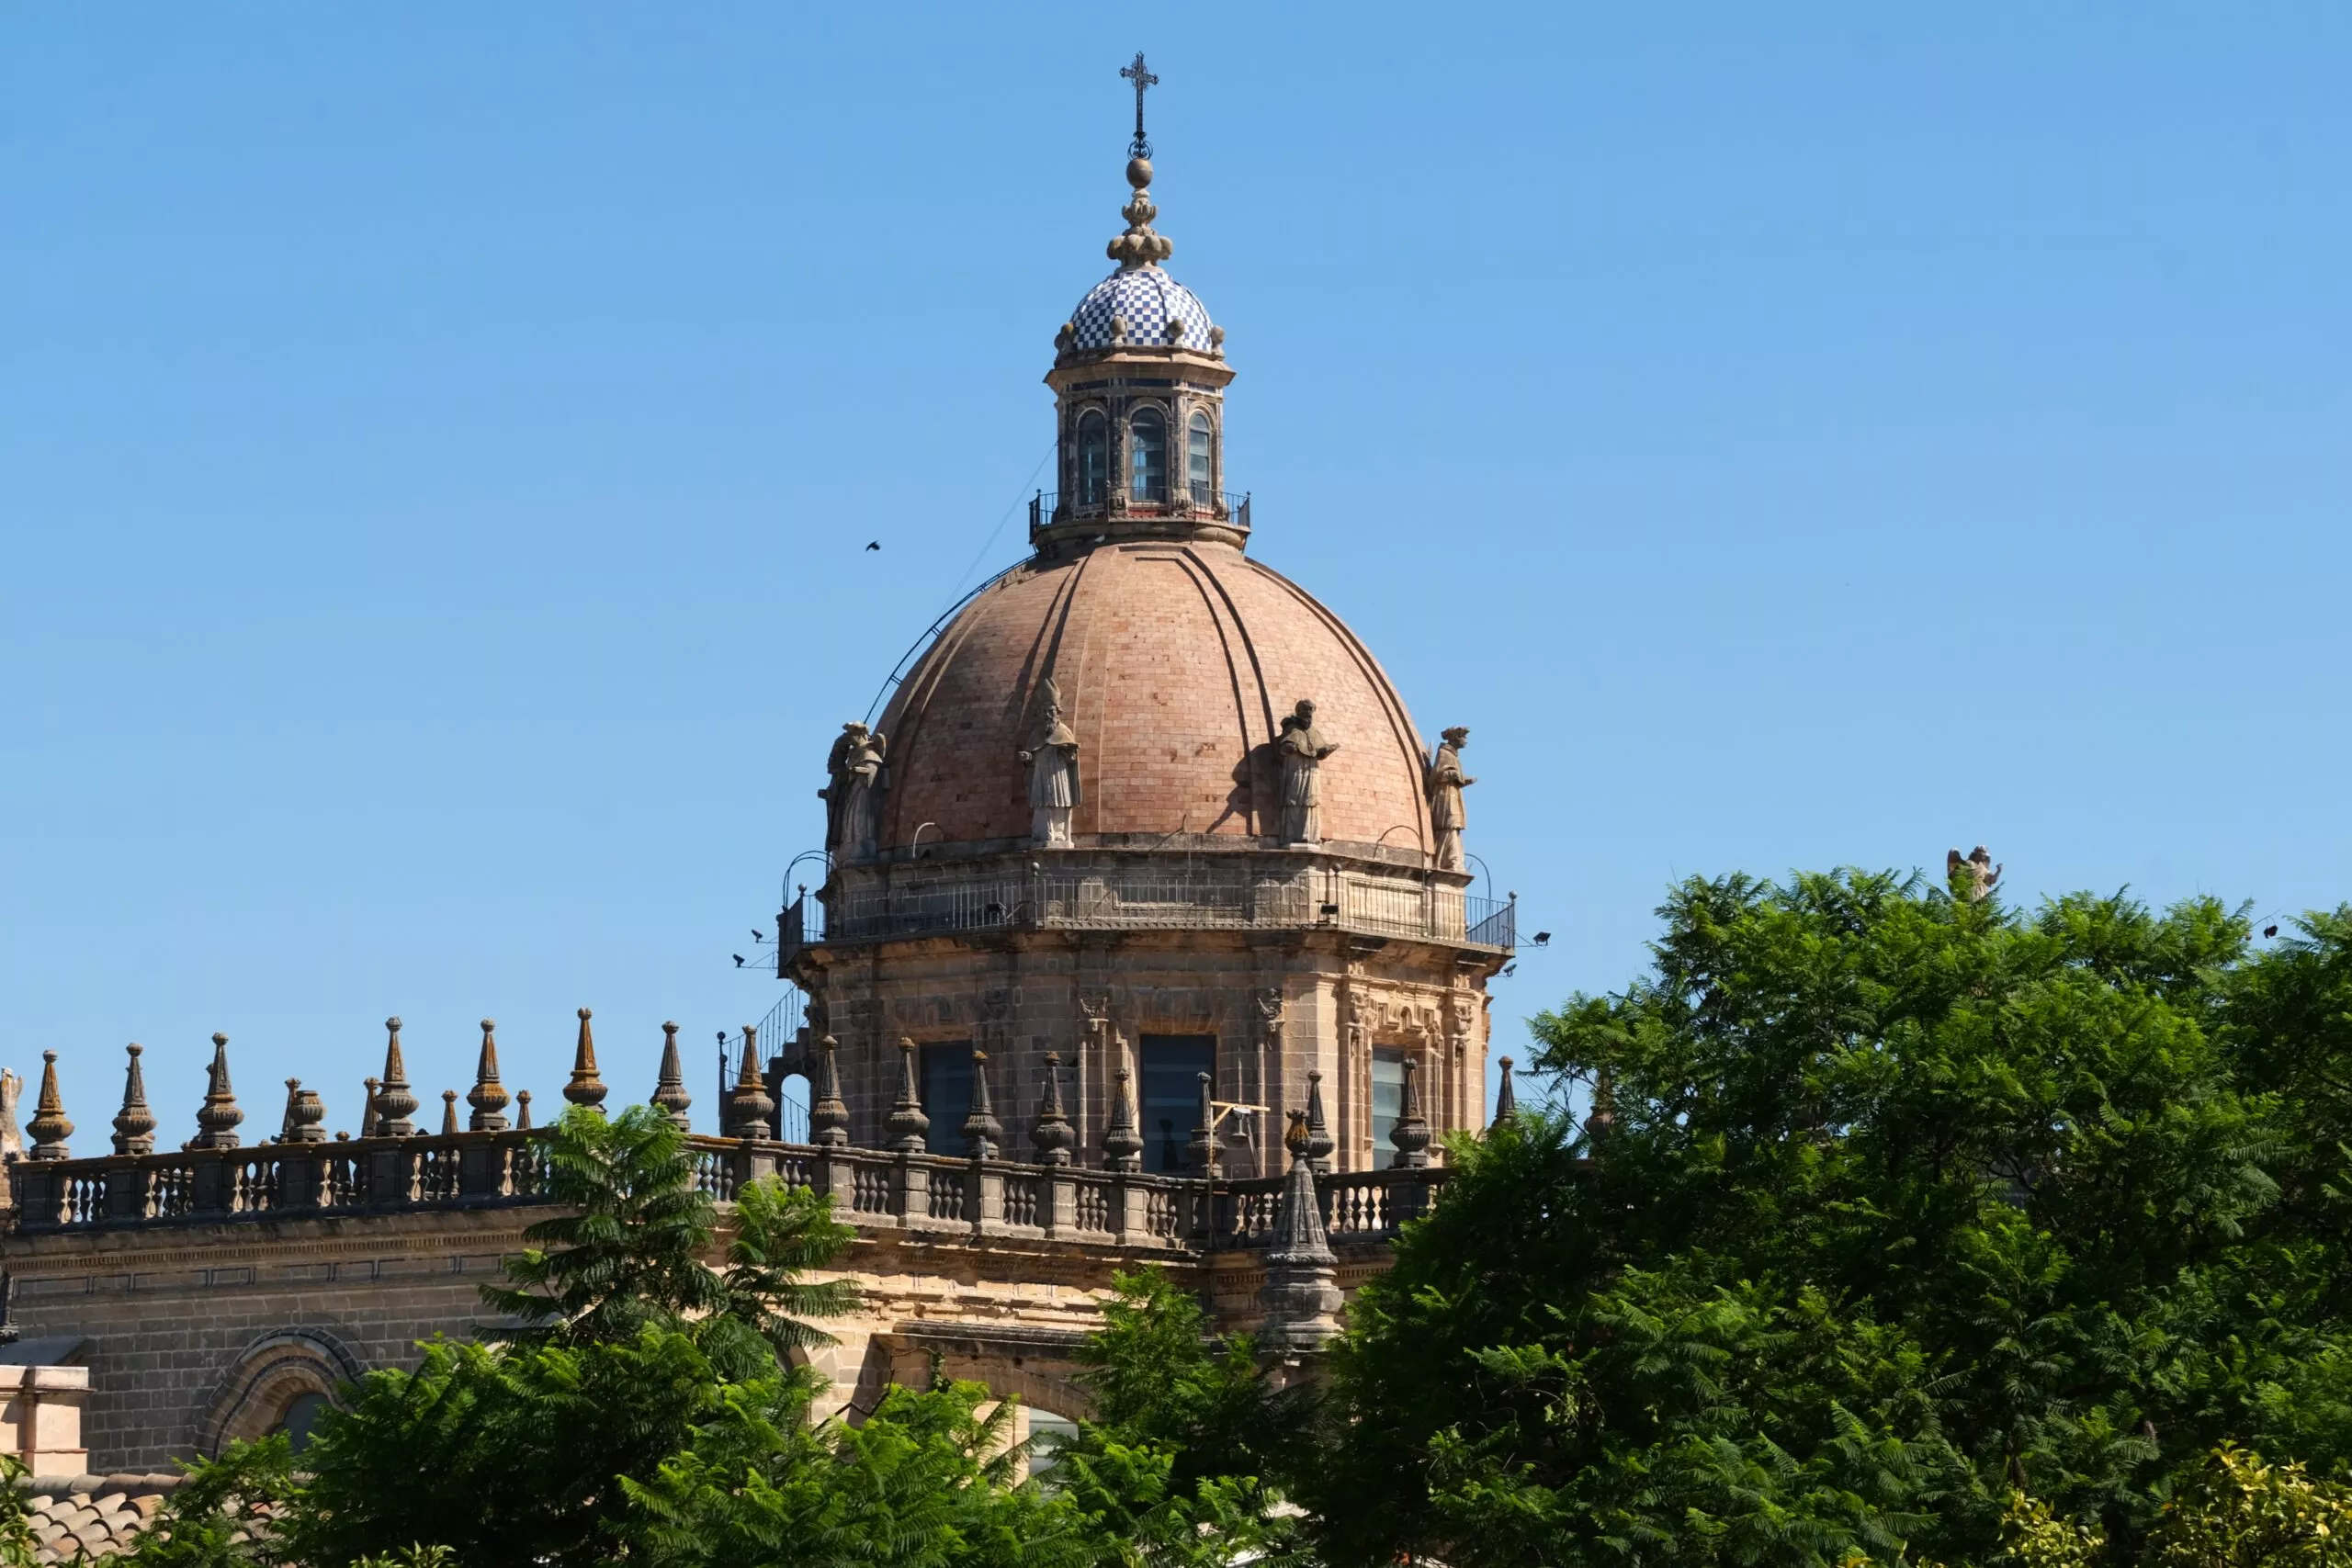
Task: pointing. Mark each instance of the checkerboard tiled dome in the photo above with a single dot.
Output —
(1146, 300)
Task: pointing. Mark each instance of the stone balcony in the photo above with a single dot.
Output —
(1103, 891)
(873, 1189)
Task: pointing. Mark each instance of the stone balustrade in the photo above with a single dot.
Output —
(874, 1190)
(1108, 892)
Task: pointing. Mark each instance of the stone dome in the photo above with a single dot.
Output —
(1146, 300)
(1175, 662)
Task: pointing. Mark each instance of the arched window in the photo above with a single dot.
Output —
(300, 1420)
(1197, 457)
(1148, 456)
(1094, 458)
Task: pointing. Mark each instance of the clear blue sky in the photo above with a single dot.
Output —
(437, 444)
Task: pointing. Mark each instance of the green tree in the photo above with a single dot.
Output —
(1180, 1464)
(1901, 1200)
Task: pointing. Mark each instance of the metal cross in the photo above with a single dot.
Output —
(1142, 78)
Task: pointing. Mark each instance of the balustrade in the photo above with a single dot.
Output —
(878, 1189)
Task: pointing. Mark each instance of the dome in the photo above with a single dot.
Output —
(1175, 663)
(1146, 299)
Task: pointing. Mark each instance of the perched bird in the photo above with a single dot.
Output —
(874, 544)
(2271, 930)
(737, 958)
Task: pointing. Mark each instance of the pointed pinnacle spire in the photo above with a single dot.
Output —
(828, 1112)
(1052, 1134)
(488, 1097)
(219, 1115)
(134, 1125)
(49, 1126)
(1411, 1134)
(1122, 1145)
(1506, 1100)
(983, 1133)
(751, 1108)
(1603, 1120)
(1319, 1142)
(907, 1127)
(305, 1112)
(367, 1109)
(523, 1110)
(394, 1103)
(585, 1087)
(448, 1112)
(1204, 1145)
(670, 1096)
(1300, 1299)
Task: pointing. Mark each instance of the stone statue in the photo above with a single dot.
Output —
(12, 1137)
(853, 796)
(1301, 751)
(1978, 869)
(1052, 762)
(1445, 781)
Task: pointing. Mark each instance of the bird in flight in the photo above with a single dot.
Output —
(874, 544)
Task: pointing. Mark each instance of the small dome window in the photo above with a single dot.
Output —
(1196, 457)
(1148, 456)
(1094, 458)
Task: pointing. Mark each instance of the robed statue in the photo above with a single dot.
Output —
(1052, 762)
(1975, 877)
(1445, 781)
(852, 797)
(1301, 751)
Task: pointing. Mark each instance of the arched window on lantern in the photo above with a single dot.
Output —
(1094, 458)
(1146, 456)
(1197, 457)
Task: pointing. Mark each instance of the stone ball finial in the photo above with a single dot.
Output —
(585, 1015)
(393, 1022)
(488, 1024)
(1139, 173)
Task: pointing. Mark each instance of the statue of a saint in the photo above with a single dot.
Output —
(1445, 781)
(1052, 762)
(854, 797)
(1973, 878)
(1301, 751)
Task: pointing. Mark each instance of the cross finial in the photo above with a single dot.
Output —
(1140, 148)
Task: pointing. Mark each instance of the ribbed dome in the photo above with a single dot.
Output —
(1145, 299)
(1175, 663)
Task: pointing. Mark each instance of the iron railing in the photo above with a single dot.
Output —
(1048, 507)
(1120, 901)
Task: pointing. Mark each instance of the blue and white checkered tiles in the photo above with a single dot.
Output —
(1146, 300)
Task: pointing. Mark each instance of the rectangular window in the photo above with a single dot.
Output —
(1387, 1101)
(946, 1072)
(1169, 1096)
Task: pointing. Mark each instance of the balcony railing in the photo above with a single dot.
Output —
(1049, 507)
(1116, 900)
(874, 1188)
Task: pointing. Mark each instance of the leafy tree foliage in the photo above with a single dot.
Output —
(1901, 1202)
(643, 1409)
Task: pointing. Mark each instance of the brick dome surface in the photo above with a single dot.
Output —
(1175, 662)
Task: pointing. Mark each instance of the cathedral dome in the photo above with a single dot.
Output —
(1136, 305)
(1175, 663)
